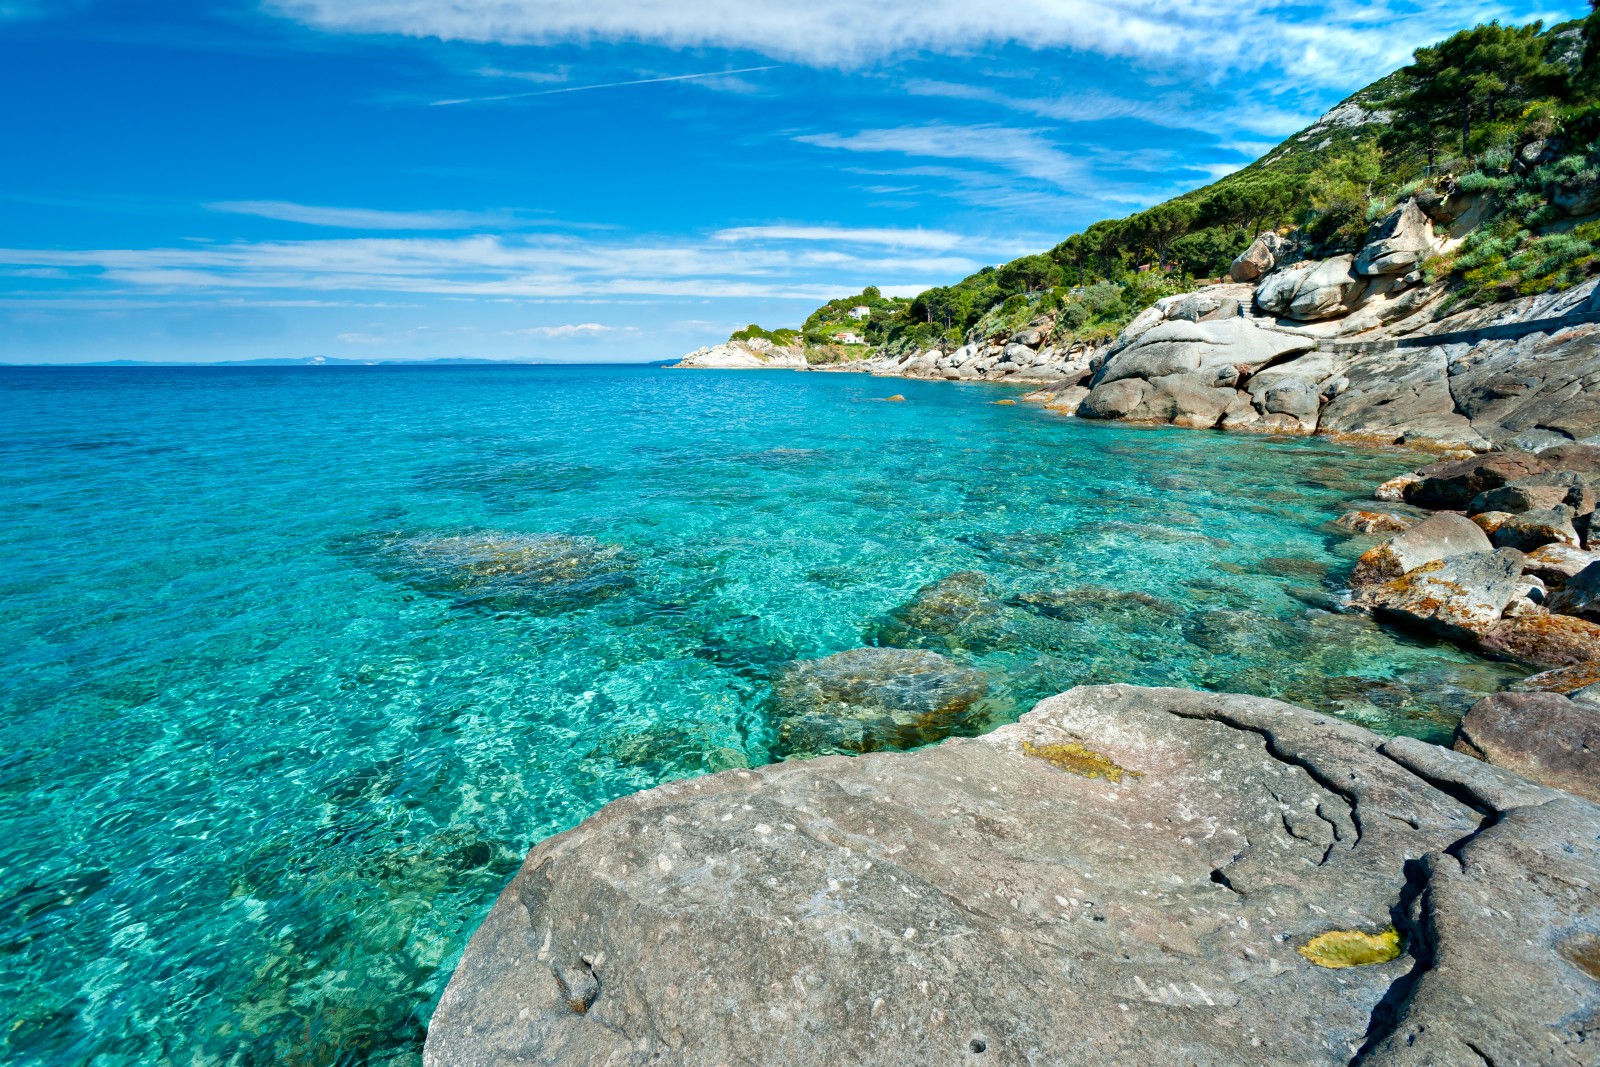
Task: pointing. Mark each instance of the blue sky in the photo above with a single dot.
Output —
(571, 180)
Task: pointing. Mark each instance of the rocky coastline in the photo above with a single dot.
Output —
(1148, 875)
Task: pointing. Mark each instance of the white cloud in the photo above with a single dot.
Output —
(360, 339)
(579, 329)
(1324, 44)
(358, 218)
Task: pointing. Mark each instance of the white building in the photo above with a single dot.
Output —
(861, 311)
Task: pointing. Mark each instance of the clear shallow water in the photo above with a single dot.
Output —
(274, 729)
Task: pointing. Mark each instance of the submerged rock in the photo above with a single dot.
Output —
(1372, 522)
(868, 699)
(955, 612)
(539, 573)
(1125, 876)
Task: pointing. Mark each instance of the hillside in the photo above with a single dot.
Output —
(1506, 111)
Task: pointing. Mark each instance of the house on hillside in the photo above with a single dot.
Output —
(860, 311)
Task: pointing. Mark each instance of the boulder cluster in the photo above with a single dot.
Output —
(1290, 345)
(1506, 562)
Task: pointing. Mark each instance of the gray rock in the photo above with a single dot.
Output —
(1460, 598)
(1545, 737)
(1532, 529)
(1187, 400)
(1181, 347)
(1580, 595)
(1400, 395)
(1373, 522)
(1124, 876)
(1401, 241)
(1539, 491)
(1313, 291)
(1114, 400)
(1438, 537)
(1030, 337)
(1555, 563)
(868, 699)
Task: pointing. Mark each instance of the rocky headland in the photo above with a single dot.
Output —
(1124, 876)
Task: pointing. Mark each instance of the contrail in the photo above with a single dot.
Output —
(606, 85)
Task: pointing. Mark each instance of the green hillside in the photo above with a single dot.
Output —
(1507, 109)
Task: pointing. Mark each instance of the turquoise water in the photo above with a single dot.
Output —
(295, 664)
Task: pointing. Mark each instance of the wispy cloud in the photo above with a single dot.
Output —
(602, 85)
(937, 240)
(1173, 110)
(1324, 44)
(505, 266)
(1023, 152)
(356, 218)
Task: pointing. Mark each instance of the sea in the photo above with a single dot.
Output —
(296, 663)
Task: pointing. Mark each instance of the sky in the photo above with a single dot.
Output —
(606, 180)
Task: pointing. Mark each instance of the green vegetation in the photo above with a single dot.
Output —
(1502, 119)
(783, 338)
(837, 320)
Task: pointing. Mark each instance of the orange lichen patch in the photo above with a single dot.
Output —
(1076, 759)
(1583, 952)
(1550, 640)
(1351, 948)
(1560, 680)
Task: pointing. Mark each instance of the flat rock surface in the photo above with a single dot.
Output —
(1124, 876)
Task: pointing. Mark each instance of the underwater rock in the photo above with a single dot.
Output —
(538, 573)
(667, 751)
(956, 612)
(1124, 876)
(1372, 522)
(869, 699)
(1094, 601)
(1545, 737)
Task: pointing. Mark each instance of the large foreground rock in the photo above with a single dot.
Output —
(1126, 876)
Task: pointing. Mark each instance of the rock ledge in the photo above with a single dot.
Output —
(1010, 900)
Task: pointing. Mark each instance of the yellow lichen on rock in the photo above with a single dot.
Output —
(1351, 948)
(1076, 759)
